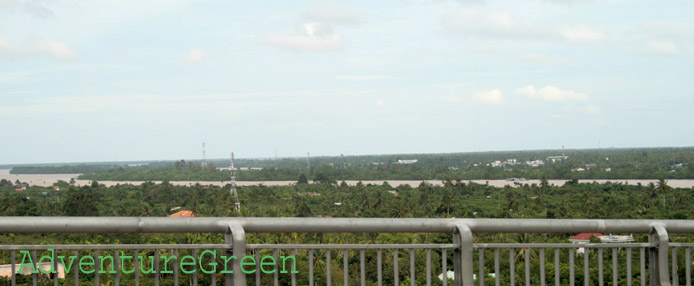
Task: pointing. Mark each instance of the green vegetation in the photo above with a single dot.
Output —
(453, 199)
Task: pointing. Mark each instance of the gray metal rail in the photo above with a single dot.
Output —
(658, 264)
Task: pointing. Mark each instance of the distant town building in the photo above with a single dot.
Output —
(405, 162)
(578, 170)
(499, 163)
(535, 163)
(554, 159)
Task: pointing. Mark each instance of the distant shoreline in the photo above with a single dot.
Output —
(50, 179)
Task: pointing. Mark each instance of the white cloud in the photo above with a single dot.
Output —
(500, 24)
(130, 103)
(583, 34)
(551, 93)
(362, 77)
(16, 76)
(662, 47)
(492, 96)
(380, 102)
(56, 50)
(311, 36)
(329, 11)
(39, 8)
(196, 56)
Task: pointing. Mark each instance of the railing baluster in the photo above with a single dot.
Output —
(293, 268)
(379, 266)
(276, 277)
(137, 268)
(600, 268)
(213, 277)
(55, 267)
(328, 279)
(675, 279)
(156, 267)
(527, 266)
(444, 266)
(480, 271)
(176, 266)
(557, 268)
(586, 267)
(96, 267)
(497, 273)
(195, 267)
(77, 273)
(412, 278)
(258, 270)
(643, 266)
(34, 276)
(310, 267)
(396, 268)
(345, 262)
(14, 271)
(614, 266)
(629, 283)
(116, 263)
(572, 271)
(542, 267)
(362, 268)
(512, 266)
(688, 261)
(428, 266)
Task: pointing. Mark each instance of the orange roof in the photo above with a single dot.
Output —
(183, 214)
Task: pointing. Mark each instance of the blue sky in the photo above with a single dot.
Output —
(152, 80)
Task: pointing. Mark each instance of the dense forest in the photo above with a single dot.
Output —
(333, 199)
(652, 163)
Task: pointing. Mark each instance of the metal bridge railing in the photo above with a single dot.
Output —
(657, 260)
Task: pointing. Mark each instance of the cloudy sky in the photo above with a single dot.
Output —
(147, 80)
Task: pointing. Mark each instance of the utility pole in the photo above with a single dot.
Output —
(204, 157)
(237, 204)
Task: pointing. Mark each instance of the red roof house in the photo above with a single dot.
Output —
(183, 214)
(584, 237)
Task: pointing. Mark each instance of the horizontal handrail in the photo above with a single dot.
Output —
(370, 246)
(328, 225)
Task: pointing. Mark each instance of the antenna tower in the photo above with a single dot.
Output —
(308, 162)
(237, 204)
(204, 157)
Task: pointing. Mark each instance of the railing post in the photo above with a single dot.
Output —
(235, 236)
(463, 256)
(658, 256)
